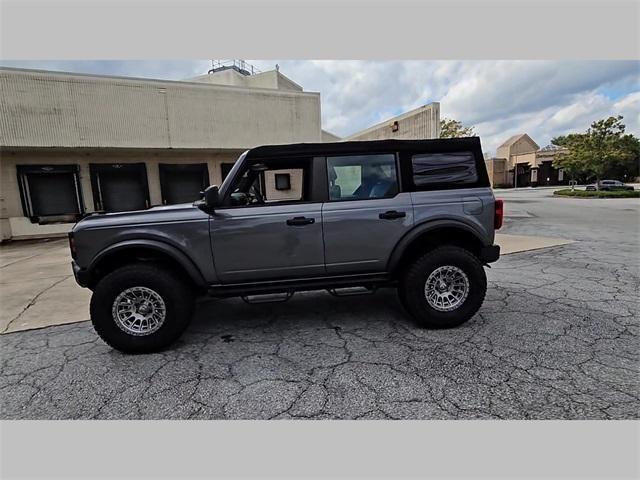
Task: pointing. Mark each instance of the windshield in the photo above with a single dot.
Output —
(232, 173)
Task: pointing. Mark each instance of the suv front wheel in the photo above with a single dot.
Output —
(444, 288)
(141, 308)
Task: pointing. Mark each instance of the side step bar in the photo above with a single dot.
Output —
(368, 281)
(352, 291)
(267, 298)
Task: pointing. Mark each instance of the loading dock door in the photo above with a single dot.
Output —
(53, 194)
(182, 183)
(50, 192)
(119, 187)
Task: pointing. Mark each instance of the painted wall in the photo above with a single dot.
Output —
(522, 145)
(497, 170)
(421, 123)
(49, 109)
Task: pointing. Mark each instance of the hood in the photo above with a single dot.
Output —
(159, 214)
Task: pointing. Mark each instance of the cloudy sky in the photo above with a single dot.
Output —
(499, 98)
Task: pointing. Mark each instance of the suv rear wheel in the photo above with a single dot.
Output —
(444, 288)
(141, 308)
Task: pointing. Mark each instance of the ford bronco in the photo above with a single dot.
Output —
(348, 217)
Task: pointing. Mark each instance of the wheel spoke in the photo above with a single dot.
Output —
(139, 311)
(446, 288)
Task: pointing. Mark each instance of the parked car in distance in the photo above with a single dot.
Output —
(608, 185)
(415, 215)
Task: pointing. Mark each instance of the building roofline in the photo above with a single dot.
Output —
(322, 130)
(514, 138)
(151, 80)
(279, 74)
(98, 149)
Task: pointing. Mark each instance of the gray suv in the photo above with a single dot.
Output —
(348, 217)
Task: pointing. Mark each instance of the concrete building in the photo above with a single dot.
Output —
(420, 123)
(71, 144)
(534, 166)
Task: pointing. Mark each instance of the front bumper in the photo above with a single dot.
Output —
(81, 275)
(489, 254)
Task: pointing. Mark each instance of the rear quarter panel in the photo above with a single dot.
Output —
(472, 206)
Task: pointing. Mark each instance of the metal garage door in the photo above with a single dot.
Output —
(50, 191)
(182, 183)
(225, 169)
(119, 187)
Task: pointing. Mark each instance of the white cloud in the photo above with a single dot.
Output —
(501, 98)
(576, 115)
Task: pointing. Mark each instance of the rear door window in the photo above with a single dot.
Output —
(431, 170)
(362, 177)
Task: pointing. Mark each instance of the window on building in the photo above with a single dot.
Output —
(358, 177)
(454, 168)
(182, 183)
(283, 181)
(281, 185)
(50, 193)
(119, 187)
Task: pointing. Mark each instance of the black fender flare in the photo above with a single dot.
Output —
(174, 253)
(428, 226)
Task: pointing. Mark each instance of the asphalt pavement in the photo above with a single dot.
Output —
(557, 338)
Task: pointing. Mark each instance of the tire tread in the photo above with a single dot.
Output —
(180, 297)
(416, 304)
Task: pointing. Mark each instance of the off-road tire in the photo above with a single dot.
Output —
(175, 291)
(411, 289)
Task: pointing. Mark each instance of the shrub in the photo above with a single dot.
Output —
(566, 192)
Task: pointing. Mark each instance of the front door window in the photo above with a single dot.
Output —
(270, 182)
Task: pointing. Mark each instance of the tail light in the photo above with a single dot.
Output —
(72, 245)
(499, 213)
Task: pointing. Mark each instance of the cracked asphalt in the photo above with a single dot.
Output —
(558, 337)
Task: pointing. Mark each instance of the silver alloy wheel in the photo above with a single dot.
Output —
(139, 311)
(446, 288)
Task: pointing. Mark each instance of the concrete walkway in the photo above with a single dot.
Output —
(522, 243)
(37, 288)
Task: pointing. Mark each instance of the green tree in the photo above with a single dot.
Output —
(603, 149)
(454, 129)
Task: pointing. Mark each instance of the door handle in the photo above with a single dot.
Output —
(299, 221)
(392, 214)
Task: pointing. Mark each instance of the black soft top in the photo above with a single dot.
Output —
(368, 146)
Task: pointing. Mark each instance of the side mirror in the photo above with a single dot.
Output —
(209, 199)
